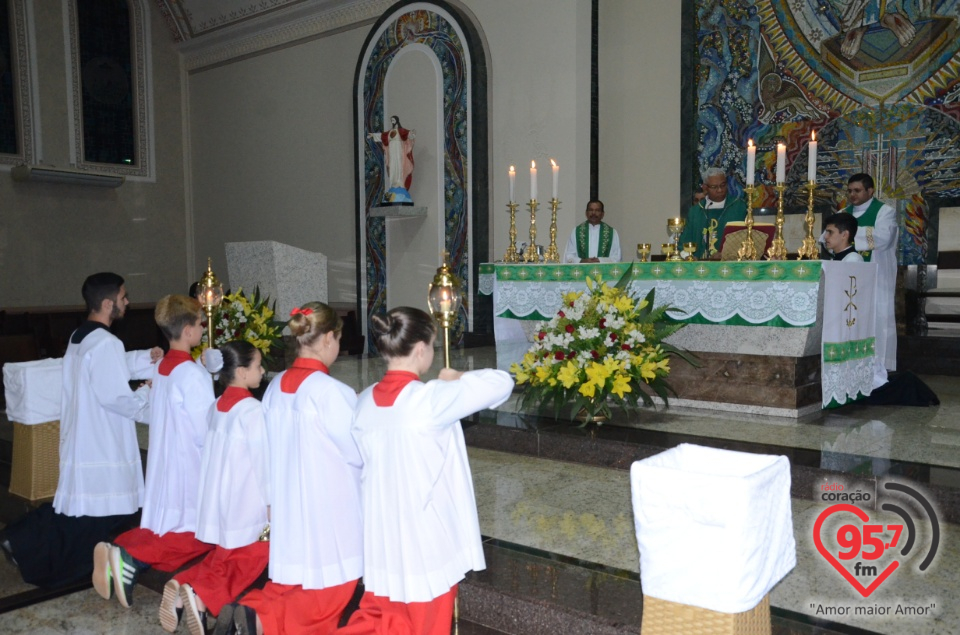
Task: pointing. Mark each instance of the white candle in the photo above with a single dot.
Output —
(512, 173)
(751, 161)
(812, 161)
(781, 163)
(533, 180)
(556, 177)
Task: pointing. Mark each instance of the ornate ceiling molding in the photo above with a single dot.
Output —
(281, 27)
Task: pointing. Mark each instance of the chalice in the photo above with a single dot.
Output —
(674, 229)
(666, 249)
(691, 249)
(643, 252)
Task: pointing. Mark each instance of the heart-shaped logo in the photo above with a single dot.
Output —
(853, 537)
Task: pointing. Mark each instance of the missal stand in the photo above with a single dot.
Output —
(715, 533)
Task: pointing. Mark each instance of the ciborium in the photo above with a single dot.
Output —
(674, 229)
(643, 252)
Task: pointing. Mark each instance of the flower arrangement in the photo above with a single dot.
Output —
(602, 346)
(243, 318)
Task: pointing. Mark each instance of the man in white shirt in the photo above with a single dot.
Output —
(101, 476)
(593, 240)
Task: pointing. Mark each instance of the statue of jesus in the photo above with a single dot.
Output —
(398, 156)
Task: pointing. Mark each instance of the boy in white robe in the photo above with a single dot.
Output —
(182, 396)
(838, 233)
(101, 479)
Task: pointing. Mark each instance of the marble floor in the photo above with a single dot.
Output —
(584, 512)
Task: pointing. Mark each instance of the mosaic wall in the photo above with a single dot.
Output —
(878, 80)
(432, 30)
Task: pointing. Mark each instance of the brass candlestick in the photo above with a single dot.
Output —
(531, 255)
(211, 295)
(674, 229)
(778, 250)
(809, 247)
(748, 250)
(511, 255)
(553, 254)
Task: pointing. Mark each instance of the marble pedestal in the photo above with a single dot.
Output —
(289, 275)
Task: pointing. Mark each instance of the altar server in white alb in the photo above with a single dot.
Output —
(316, 529)
(181, 400)
(421, 531)
(234, 499)
(101, 479)
(877, 240)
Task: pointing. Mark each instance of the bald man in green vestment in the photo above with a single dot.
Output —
(710, 213)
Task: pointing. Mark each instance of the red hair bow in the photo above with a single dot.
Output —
(299, 311)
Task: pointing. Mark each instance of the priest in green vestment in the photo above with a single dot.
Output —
(709, 215)
(593, 240)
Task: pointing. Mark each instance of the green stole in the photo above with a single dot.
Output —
(583, 240)
(868, 220)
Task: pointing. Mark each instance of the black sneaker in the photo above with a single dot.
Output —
(225, 625)
(169, 613)
(125, 573)
(196, 619)
(101, 578)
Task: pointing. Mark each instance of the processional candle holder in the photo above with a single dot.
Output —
(211, 296)
(809, 248)
(531, 254)
(443, 298)
(643, 252)
(512, 256)
(778, 250)
(748, 250)
(553, 254)
(674, 229)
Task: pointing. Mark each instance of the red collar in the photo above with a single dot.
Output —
(231, 397)
(173, 359)
(301, 368)
(385, 393)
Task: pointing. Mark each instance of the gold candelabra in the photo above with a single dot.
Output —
(553, 254)
(748, 250)
(511, 255)
(778, 250)
(531, 255)
(211, 295)
(809, 247)
(443, 298)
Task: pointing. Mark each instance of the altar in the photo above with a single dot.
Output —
(777, 338)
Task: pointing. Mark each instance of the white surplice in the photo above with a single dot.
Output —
(100, 469)
(316, 529)
(421, 531)
(882, 240)
(233, 476)
(570, 254)
(179, 405)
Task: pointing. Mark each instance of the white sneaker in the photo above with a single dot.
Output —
(196, 619)
(169, 613)
(102, 578)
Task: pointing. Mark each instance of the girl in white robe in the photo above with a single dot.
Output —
(233, 507)
(421, 532)
(316, 530)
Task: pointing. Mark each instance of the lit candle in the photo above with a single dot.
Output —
(781, 163)
(512, 173)
(751, 161)
(556, 177)
(812, 161)
(533, 180)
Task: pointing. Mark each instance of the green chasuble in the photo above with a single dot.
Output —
(865, 223)
(583, 240)
(700, 227)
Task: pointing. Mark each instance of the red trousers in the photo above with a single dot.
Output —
(379, 616)
(286, 609)
(168, 552)
(226, 573)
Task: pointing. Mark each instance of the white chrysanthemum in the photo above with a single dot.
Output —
(588, 334)
(614, 321)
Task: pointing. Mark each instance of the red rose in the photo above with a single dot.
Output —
(603, 323)
(613, 337)
(543, 334)
(571, 305)
(558, 356)
(570, 328)
(571, 354)
(625, 347)
(561, 314)
(595, 354)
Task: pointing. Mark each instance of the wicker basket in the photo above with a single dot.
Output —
(661, 617)
(36, 460)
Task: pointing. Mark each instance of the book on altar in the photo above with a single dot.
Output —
(735, 232)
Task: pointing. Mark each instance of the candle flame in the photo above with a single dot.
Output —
(813, 135)
(512, 169)
(749, 143)
(553, 163)
(781, 145)
(533, 165)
